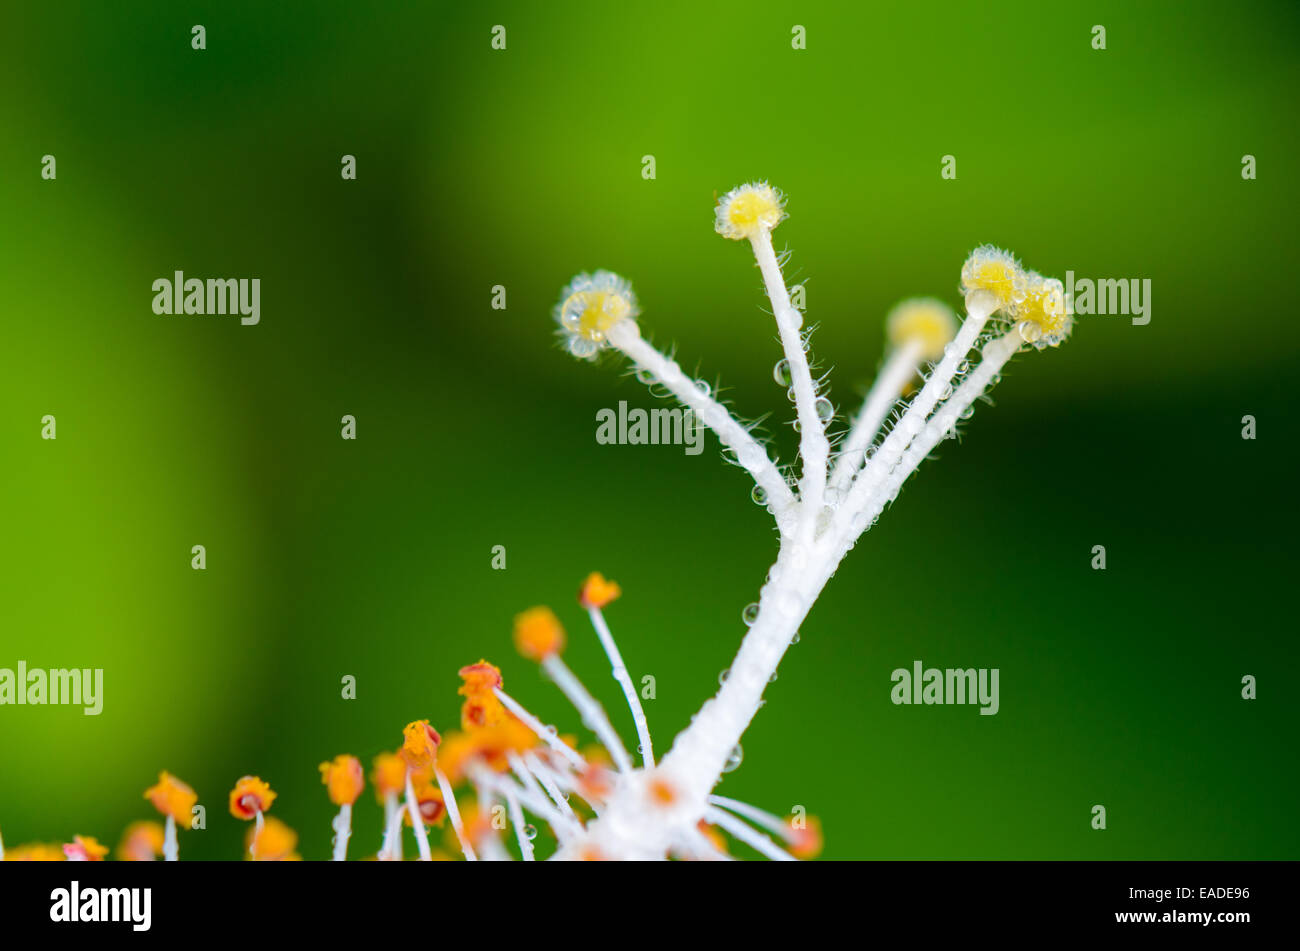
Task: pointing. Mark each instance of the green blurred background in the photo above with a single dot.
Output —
(521, 167)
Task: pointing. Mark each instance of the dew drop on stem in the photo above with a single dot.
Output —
(734, 759)
(781, 372)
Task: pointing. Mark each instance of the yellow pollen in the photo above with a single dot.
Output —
(596, 312)
(928, 323)
(749, 210)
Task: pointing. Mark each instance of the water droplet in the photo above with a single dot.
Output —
(968, 412)
(795, 638)
(825, 411)
(659, 391)
(734, 759)
(790, 395)
(781, 372)
(552, 729)
(750, 613)
(530, 832)
(723, 675)
(581, 347)
(572, 310)
(759, 495)
(772, 679)
(645, 376)
(703, 387)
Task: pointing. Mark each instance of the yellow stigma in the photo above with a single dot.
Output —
(1041, 318)
(596, 592)
(420, 745)
(273, 842)
(249, 797)
(389, 775)
(926, 322)
(172, 798)
(993, 272)
(35, 852)
(344, 778)
(85, 848)
(749, 210)
(141, 842)
(594, 312)
(589, 307)
(538, 633)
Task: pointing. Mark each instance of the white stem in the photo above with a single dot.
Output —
(257, 834)
(553, 790)
(813, 447)
(564, 781)
(171, 849)
(813, 541)
(417, 821)
(625, 337)
(525, 775)
(453, 813)
(698, 846)
(391, 849)
(490, 844)
(980, 309)
(591, 712)
(342, 832)
(517, 820)
(547, 736)
(701, 750)
(536, 800)
(760, 817)
(994, 357)
(913, 421)
(900, 366)
(625, 681)
(755, 840)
